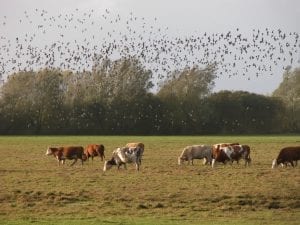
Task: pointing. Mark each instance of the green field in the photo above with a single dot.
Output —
(34, 190)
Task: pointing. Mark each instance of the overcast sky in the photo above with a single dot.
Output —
(184, 17)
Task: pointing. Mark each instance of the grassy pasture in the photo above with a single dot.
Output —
(34, 190)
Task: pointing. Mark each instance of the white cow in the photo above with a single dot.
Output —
(190, 153)
(124, 155)
(137, 144)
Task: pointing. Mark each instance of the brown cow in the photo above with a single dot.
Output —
(230, 152)
(218, 155)
(94, 150)
(63, 153)
(287, 155)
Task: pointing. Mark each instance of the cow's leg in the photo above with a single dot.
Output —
(125, 167)
(213, 163)
(137, 166)
(75, 160)
(208, 160)
(192, 160)
(248, 161)
(188, 161)
(58, 160)
(292, 163)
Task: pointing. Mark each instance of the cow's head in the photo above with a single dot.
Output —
(274, 163)
(277, 162)
(49, 151)
(181, 160)
(108, 164)
(84, 157)
(216, 152)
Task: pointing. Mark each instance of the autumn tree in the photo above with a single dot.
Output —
(183, 96)
(125, 78)
(190, 83)
(17, 97)
(33, 100)
(289, 92)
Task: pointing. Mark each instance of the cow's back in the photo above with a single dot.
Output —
(72, 151)
(94, 148)
(290, 152)
(135, 144)
(200, 150)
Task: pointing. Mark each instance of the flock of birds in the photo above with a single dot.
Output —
(78, 40)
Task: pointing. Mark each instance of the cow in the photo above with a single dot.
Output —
(190, 153)
(230, 152)
(137, 144)
(124, 155)
(93, 150)
(287, 155)
(71, 153)
(218, 155)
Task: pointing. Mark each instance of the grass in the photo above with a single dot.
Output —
(34, 190)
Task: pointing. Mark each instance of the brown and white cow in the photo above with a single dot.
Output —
(124, 155)
(230, 152)
(190, 153)
(135, 145)
(287, 155)
(93, 150)
(71, 153)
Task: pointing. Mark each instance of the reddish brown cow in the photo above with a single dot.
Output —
(93, 150)
(287, 155)
(230, 152)
(63, 153)
(219, 155)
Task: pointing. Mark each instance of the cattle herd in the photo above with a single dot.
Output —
(133, 152)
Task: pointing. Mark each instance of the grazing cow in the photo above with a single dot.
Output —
(287, 155)
(137, 144)
(124, 155)
(63, 153)
(190, 153)
(230, 152)
(94, 150)
(218, 155)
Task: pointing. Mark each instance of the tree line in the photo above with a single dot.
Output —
(116, 97)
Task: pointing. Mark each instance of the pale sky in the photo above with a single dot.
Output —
(182, 17)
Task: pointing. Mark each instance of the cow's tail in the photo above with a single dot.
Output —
(103, 149)
(138, 152)
(248, 159)
(100, 152)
